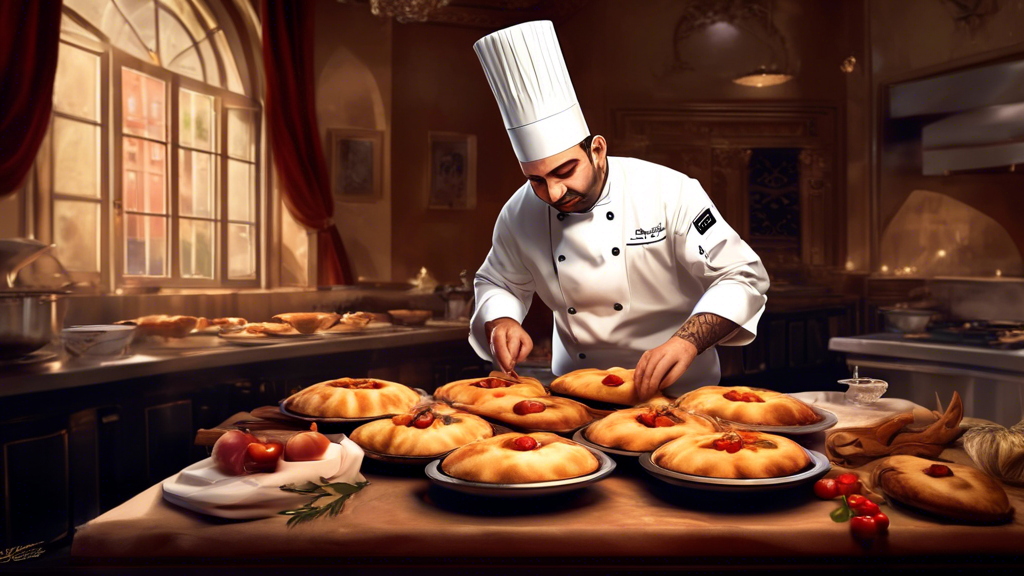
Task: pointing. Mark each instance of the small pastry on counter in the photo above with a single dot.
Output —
(516, 458)
(352, 322)
(259, 330)
(497, 385)
(353, 398)
(749, 406)
(227, 321)
(308, 322)
(953, 491)
(163, 325)
(732, 454)
(614, 385)
(428, 430)
(547, 414)
(644, 428)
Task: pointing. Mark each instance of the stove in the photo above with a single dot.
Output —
(999, 335)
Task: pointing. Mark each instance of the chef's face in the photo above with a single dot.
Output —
(571, 181)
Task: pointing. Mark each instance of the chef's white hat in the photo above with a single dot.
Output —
(527, 74)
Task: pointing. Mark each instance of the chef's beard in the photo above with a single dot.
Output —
(586, 199)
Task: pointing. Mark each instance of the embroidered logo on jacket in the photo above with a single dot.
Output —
(655, 233)
(705, 221)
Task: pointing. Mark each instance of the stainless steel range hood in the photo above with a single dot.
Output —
(984, 128)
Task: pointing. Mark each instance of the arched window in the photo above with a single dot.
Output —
(152, 168)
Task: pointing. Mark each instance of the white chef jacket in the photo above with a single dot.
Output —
(624, 276)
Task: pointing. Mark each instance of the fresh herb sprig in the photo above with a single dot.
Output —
(328, 499)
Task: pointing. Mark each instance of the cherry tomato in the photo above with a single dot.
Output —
(938, 471)
(750, 397)
(663, 422)
(826, 489)
(866, 508)
(647, 419)
(528, 407)
(848, 484)
(612, 380)
(881, 521)
(524, 443)
(733, 395)
(424, 420)
(854, 500)
(864, 527)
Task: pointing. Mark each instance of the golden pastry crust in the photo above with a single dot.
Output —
(760, 455)
(227, 321)
(476, 390)
(497, 461)
(353, 398)
(773, 409)
(967, 494)
(352, 322)
(644, 428)
(589, 383)
(164, 325)
(308, 322)
(268, 328)
(551, 413)
(400, 436)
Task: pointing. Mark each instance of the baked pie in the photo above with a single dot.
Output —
(308, 322)
(644, 428)
(732, 454)
(352, 322)
(424, 431)
(950, 490)
(353, 398)
(749, 406)
(516, 458)
(549, 414)
(164, 325)
(614, 385)
(497, 385)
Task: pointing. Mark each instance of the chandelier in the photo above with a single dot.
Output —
(406, 11)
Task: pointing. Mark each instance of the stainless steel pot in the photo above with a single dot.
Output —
(27, 323)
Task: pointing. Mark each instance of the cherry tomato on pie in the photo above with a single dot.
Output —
(826, 489)
(528, 407)
(647, 419)
(663, 422)
(864, 527)
(612, 380)
(751, 397)
(848, 484)
(524, 443)
(733, 395)
(424, 420)
(938, 471)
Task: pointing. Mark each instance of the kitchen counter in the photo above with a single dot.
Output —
(158, 356)
(893, 345)
(627, 520)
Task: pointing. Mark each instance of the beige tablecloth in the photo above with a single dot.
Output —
(627, 515)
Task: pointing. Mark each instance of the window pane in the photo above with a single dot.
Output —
(210, 63)
(76, 158)
(142, 105)
(146, 245)
(142, 15)
(196, 250)
(196, 122)
(183, 10)
(195, 184)
(187, 64)
(234, 80)
(241, 251)
(173, 38)
(77, 235)
(241, 192)
(240, 134)
(106, 17)
(145, 166)
(76, 86)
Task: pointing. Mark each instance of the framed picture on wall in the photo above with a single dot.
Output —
(451, 175)
(356, 164)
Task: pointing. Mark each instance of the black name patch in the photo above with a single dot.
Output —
(705, 221)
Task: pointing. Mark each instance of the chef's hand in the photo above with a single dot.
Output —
(509, 342)
(662, 366)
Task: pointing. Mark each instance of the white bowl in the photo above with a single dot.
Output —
(97, 340)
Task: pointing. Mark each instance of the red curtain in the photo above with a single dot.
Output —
(30, 30)
(294, 133)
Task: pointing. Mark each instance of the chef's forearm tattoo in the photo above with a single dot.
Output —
(705, 330)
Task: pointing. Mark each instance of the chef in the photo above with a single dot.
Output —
(637, 264)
